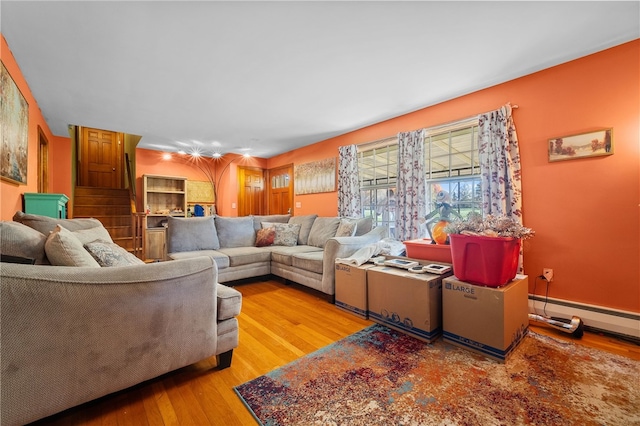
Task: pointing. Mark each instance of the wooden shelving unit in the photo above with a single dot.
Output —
(163, 196)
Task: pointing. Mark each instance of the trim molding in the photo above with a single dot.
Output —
(597, 318)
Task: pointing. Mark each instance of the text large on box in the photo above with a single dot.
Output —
(411, 303)
(351, 288)
(488, 320)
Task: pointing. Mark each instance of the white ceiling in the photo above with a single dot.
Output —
(273, 76)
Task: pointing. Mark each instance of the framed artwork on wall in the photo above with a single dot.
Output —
(315, 177)
(14, 116)
(591, 144)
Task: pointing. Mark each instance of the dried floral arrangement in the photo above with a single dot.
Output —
(489, 226)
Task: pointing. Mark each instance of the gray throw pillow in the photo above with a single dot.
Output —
(305, 222)
(20, 240)
(191, 234)
(323, 228)
(236, 231)
(108, 253)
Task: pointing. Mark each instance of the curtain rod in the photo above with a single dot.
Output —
(388, 139)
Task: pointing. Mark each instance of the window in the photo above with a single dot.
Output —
(378, 169)
(451, 162)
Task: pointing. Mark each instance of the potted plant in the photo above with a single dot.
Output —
(485, 251)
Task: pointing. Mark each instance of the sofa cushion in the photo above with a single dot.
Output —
(190, 234)
(364, 226)
(347, 228)
(229, 302)
(47, 224)
(265, 236)
(108, 253)
(286, 234)
(305, 222)
(277, 218)
(311, 261)
(221, 259)
(235, 231)
(92, 234)
(21, 240)
(323, 228)
(283, 254)
(239, 256)
(63, 248)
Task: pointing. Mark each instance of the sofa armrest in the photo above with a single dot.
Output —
(93, 331)
(339, 247)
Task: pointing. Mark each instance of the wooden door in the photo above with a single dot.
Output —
(281, 190)
(251, 199)
(100, 158)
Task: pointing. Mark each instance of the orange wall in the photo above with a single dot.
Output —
(224, 170)
(59, 149)
(585, 211)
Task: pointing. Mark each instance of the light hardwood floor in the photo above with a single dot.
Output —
(278, 324)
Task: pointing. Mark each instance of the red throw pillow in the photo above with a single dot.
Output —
(265, 237)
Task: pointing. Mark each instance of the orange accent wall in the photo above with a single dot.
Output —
(224, 170)
(586, 211)
(59, 148)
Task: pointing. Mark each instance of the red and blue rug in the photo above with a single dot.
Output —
(379, 376)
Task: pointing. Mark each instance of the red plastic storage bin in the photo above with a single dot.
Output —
(423, 249)
(489, 261)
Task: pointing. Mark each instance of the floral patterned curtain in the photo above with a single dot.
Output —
(348, 182)
(500, 166)
(411, 190)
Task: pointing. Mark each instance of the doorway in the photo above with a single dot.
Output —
(43, 162)
(280, 191)
(100, 158)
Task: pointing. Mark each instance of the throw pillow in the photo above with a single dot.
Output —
(265, 237)
(347, 228)
(286, 233)
(107, 253)
(47, 224)
(20, 240)
(279, 218)
(63, 248)
(92, 234)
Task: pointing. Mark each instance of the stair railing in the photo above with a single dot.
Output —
(137, 219)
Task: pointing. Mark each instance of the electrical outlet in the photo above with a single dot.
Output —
(547, 273)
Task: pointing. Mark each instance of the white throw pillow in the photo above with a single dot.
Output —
(63, 248)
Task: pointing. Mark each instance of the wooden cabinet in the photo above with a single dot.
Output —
(163, 196)
(156, 244)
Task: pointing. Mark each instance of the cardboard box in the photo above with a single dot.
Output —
(407, 302)
(488, 320)
(351, 288)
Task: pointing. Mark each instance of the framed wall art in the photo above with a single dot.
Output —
(315, 177)
(599, 142)
(14, 116)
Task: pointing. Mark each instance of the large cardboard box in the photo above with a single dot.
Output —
(351, 288)
(408, 302)
(488, 320)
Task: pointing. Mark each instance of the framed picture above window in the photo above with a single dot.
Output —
(592, 144)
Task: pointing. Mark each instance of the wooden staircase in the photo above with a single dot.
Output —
(112, 207)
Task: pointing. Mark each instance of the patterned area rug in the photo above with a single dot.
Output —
(382, 377)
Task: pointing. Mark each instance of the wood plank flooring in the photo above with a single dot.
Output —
(278, 324)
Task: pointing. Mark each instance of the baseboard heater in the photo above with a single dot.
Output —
(596, 318)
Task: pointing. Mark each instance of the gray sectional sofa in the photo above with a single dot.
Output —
(304, 248)
(74, 333)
